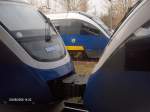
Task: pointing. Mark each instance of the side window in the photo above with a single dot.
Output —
(132, 55)
(89, 29)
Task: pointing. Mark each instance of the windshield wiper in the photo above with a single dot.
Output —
(47, 31)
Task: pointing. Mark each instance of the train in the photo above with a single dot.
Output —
(120, 81)
(32, 54)
(31, 58)
(85, 36)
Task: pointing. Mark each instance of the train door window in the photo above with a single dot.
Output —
(132, 55)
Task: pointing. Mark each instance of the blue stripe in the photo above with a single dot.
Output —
(90, 42)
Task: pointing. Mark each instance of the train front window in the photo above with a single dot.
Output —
(72, 26)
(34, 33)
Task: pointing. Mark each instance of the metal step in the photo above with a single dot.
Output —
(70, 109)
(75, 105)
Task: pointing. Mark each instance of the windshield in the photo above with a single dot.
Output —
(34, 33)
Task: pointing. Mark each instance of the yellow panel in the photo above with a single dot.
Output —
(75, 48)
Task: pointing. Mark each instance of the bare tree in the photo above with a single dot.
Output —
(33, 2)
(76, 5)
(106, 20)
(83, 5)
(120, 8)
(117, 11)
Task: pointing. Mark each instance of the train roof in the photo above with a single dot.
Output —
(82, 16)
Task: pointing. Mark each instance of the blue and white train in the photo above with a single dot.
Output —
(81, 33)
(32, 54)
